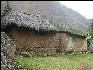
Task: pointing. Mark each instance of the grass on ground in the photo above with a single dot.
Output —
(63, 62)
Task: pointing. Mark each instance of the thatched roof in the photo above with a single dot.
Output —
(72, 33)
(30, 21)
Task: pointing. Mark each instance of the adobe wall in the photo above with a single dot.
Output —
(63, 45)
(34, 43)
(29, 41)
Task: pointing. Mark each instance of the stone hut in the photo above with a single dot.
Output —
(33, 34)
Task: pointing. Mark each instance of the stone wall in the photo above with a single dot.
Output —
(7, 52)
(85, 45)
(76, 43)
(91, 47)
(70, 44)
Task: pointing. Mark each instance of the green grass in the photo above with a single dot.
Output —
(66, 62)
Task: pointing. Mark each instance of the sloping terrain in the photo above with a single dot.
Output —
(61, 14)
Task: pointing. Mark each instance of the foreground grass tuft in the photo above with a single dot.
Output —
(66, 62)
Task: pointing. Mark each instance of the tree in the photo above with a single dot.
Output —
(89, 34)
(5, 10)
(51, 20)
(44, 16)
(91, 29)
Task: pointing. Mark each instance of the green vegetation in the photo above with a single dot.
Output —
(89, 34)
(44, 16)
(51, 20)
(74, 31)
(5, 10)
(59, 62)
(91, 31)
(60, 27)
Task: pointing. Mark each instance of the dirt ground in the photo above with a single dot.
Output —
(86, 67)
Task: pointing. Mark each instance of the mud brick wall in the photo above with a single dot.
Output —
(37, 43)
(29, 41)
(61, 38)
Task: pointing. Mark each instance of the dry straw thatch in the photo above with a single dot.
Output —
(30, 21)
(72, 33)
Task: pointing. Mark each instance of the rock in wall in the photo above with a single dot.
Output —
(70, 44)
(7, 52)
(76, 43)
(91, 47)
(85, 45)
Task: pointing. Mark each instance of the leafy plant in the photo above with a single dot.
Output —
(5, 10)
(89, 35)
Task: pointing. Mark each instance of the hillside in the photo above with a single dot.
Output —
(61, 14)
